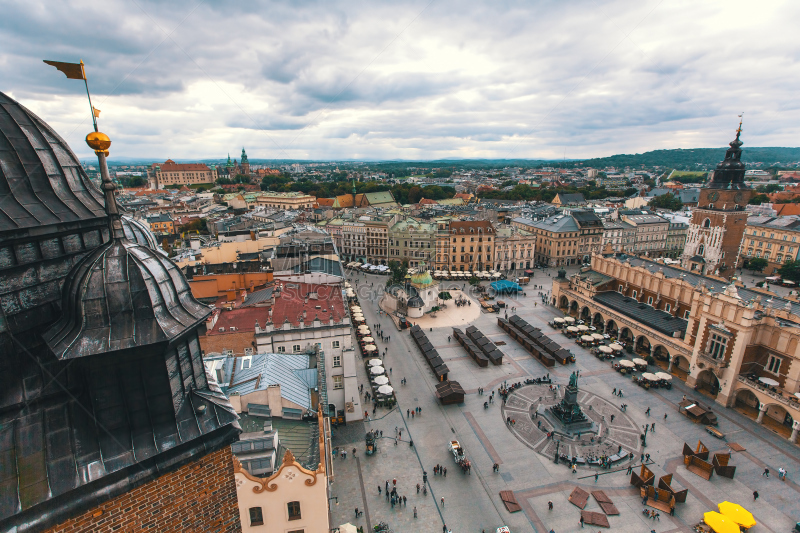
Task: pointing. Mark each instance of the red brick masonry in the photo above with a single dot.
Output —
(198, 497)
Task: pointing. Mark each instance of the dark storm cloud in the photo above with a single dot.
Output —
(411, 78)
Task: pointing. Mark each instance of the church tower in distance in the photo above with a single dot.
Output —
(719, 220)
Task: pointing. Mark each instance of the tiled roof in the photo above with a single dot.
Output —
(243, 319)
(292, 303)
(171, 166)
(641, 312)
(257, 297)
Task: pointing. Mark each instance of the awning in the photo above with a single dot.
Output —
(737, 513)
(720, 523)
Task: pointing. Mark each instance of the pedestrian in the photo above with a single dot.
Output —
(647, 412)
(596, 475)
(379, 490)
(408, 413)
(445, 471)
(581, 521)
(549, 505)
(404, 501)
(614, 392)
(755, 495)
(766, 472)
(390, 371)
(395, 441)
(630, 469)
(442, 501)
(415, 511)
(412, 414)
(417, 488)
(665, 416)
(653, 427)
(782, 474)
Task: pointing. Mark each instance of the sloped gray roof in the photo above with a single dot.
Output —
(290, 371)
(641, 312)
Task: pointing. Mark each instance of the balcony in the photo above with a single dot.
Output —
(759, 389)
(706, 361)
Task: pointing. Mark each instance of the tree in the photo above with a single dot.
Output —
(773, 187)
(398, 272)
(414, 195)
(667, 201)
(757, 264)
(790, 270)
(474, 281)
(758, 199)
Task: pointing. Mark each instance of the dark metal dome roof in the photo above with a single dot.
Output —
(41, 180)
(123, 296)
(138, 232)
(416, 301)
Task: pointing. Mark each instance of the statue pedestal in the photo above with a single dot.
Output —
(567, 417)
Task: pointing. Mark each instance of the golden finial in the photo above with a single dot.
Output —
(740, 123)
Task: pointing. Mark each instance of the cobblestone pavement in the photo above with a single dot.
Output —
(472, 502)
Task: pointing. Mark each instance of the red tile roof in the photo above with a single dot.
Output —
(171, 166)
(244, 320)
(292, 303)
(786, 209)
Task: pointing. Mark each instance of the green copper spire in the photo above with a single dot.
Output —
(244, 156)
(229, 164)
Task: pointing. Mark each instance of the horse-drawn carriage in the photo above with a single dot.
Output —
(460, 458)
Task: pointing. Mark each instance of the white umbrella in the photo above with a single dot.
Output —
(358, 318)
(639, 361)
(626, 363)
(356, 309)
(370, 348)
(496, 275)
(569, 320)
(348, 528)
(605, 349)
(368, 340)
(385, 389)
(649, 377)
(363, 328)
(616, 347)
(664, 376)
(586, 338)
(376, 370)
(572, 329)
(582, 328)
(597, 336)
(558, 320)
(375, 362)
(769, 381)
(381, 380)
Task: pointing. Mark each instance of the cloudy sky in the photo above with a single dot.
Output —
(418, 79)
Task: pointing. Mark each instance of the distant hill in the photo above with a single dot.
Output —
(688, 159)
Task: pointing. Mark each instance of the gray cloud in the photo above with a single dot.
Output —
(401, 80)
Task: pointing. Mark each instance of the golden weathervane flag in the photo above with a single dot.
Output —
(95, 112)
(73, 71)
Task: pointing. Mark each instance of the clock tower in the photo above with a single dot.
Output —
(718, 222)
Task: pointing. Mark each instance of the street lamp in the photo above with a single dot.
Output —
(644, 436)
(558, 443)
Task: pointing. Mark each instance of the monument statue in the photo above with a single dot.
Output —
(573, 380)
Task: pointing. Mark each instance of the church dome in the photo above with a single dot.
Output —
(423, 279)
(138, 232)
(416, 301)
(123, 296)
(41, 181)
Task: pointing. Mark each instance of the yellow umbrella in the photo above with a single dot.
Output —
(720, 523)
(738, 514)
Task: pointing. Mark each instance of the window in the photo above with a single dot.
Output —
(633, 294)
(281, 349)
(294, 510)
(649, 300)
(256, 516)
(335, 344)
(717, 345)
(667, 308)
(337, 361)
(296, 348)
(774, 364)
(686, 314)
(338, 382)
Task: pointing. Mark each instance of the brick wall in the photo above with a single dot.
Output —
(198, 497)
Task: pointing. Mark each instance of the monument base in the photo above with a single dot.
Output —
(571, 429)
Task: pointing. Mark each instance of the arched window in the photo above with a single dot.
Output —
(701, 249)
(707, 223)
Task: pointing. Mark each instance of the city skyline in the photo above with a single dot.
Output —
(412, 81)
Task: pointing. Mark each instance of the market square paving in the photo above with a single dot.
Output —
(472, 502)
